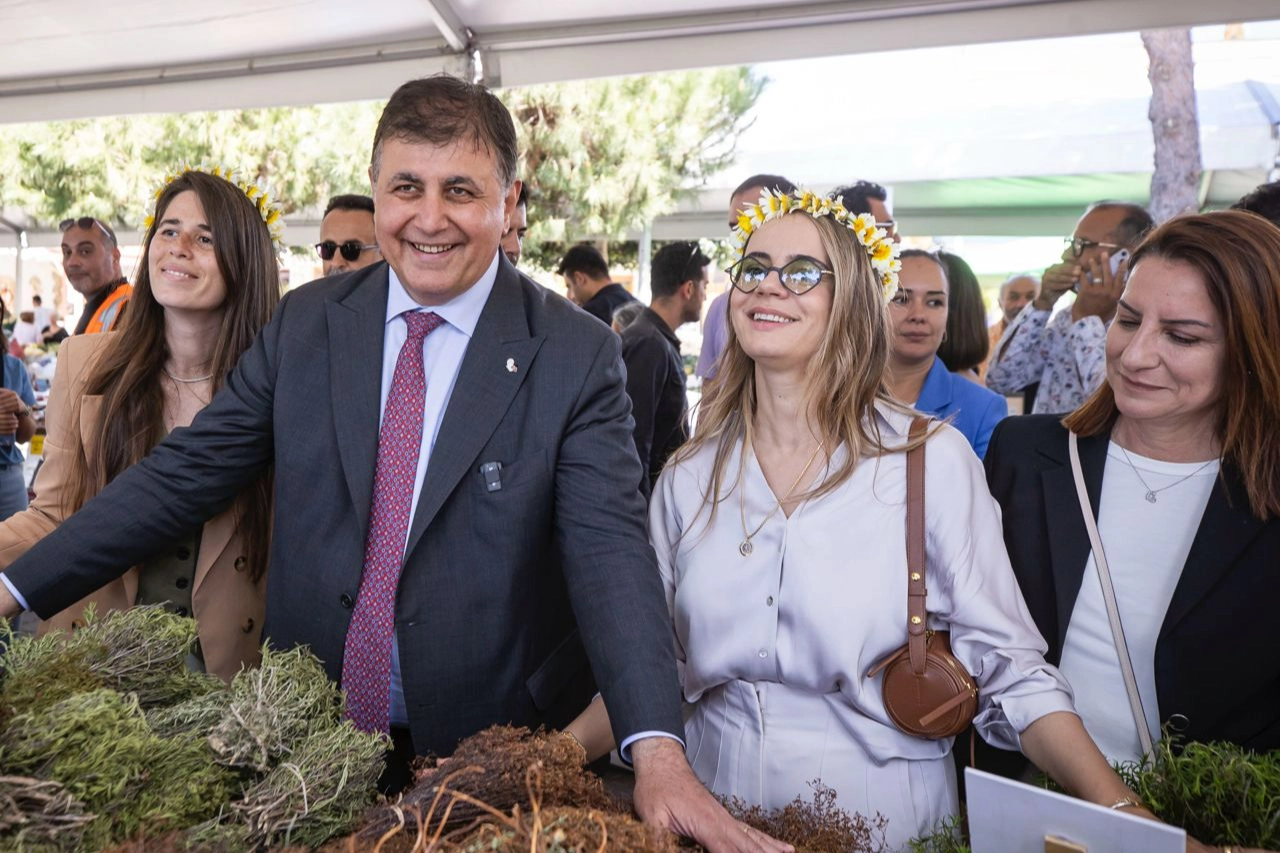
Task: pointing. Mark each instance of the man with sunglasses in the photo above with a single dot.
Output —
(651, 352)
(869, 197)
(91, 260)
(347, 241)
(1066, 355)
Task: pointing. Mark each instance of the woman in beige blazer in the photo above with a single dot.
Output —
(206, 285)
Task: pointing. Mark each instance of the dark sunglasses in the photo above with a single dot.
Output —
(350, 249)
(799, 276)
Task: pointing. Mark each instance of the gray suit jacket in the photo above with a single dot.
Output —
(495, 584)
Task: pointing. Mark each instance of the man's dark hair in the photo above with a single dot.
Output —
(584, 258)
(771, 182)
(967, 342)
(523, 200)
(36, 300)
(1264, 201)
(673, 265)
(349, 202)
(856, 197)
(1133, 227)
(441, 110)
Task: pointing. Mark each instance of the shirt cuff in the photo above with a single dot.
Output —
(624, 750)
(13, 590)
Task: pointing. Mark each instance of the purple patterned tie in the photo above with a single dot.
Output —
(366, 662)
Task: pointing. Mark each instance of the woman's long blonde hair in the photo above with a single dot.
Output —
(846, 376)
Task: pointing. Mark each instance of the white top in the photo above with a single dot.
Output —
(1147, 545)
(823, 595)
(442, 353)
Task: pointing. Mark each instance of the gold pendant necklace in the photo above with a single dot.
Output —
(744, 547)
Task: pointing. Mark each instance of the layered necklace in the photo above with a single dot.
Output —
(744, 547)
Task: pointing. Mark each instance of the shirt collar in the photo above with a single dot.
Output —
(462, 312)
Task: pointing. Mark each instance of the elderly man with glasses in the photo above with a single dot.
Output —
(1067, 354)
(91, 260)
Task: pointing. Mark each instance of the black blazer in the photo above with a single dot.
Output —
(495, 583)
(1217, 667)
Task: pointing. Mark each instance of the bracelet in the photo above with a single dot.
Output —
(1128, 803)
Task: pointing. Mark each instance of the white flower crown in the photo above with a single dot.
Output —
(775, 204)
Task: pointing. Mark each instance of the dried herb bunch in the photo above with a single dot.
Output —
(1218, 792)
(99, 746)
(819, 826)
(490, 768)
(38, 815)
(271, 709)
(535, 828)
(142, 650)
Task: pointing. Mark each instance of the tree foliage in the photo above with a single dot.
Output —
(601, 157)
(604, 157)
(110, 167)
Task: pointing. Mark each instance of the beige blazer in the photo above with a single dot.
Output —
(227, 604)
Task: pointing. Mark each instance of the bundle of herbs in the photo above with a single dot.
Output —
(816, 826)
(38, 815)
(142, 651)
(98, 745)
(532, 828)
(490, 769)
(1220, 793)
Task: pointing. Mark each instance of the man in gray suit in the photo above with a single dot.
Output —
(459, 529)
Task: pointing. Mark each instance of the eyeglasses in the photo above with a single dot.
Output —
(87, 223)
(888, 225)
(350, 249)
(799, 276)
(1079, 245)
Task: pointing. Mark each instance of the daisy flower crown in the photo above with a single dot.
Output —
(774, 204)
(259, 197)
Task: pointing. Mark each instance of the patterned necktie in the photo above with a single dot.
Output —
(366, 662)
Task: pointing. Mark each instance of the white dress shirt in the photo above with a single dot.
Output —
(442, 353)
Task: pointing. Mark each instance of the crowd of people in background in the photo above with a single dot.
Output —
(481, 501)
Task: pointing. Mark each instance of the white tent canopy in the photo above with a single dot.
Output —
(76, 58)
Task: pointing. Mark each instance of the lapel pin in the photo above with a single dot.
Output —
(511, 365)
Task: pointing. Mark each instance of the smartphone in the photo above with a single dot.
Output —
(1116, 260)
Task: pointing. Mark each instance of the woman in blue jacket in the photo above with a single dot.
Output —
(917, 376)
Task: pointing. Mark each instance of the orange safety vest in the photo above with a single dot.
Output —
(108, 313)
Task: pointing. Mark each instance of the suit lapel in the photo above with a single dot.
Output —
(1226, 529)
(1068, 537)
(481, 395)
(356, 327)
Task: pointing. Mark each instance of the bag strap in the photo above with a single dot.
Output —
(917, 618)
(1109, 597)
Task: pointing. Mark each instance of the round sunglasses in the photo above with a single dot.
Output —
(798, 276)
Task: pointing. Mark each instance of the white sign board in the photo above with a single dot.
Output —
(1010, 817)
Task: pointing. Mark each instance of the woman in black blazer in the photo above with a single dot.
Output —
(1181, 460)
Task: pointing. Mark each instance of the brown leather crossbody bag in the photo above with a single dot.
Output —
(927, 691)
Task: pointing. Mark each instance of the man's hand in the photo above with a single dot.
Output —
(667, 794)
(10, 402)
(8, 424)
(1057, 280)
(1099, 290)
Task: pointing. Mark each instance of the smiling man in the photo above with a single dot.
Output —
(346, 235)
(91, 260)
(460, 534)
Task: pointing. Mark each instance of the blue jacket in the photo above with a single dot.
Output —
(973, 410)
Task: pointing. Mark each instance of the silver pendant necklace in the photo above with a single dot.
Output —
(744, 547)
(1151, 493)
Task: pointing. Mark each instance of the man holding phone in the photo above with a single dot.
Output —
(1067, 354)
